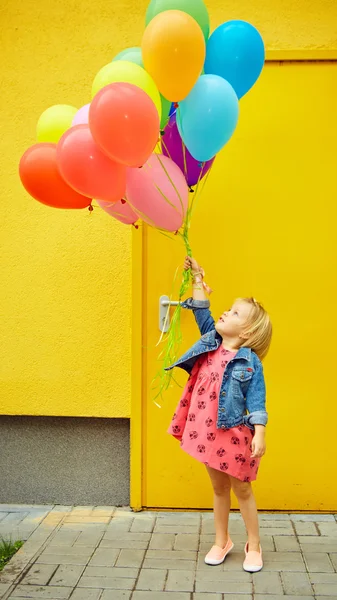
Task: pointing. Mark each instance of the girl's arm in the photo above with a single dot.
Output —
(197, 274)
(199, 303)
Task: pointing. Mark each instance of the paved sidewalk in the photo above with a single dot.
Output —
(108, 553)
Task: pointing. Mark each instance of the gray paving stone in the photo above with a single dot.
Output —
(179, 518)
(180, 581)
(326, 589)
(333, 558)
(125, 543)
(286, 597)
(34, 591)
(116, 595)
(216, 574)
(286, 543)
(142, 526)
(67, 575)
(312, 517)
(4, 587)
(104, 558)
(176, 528)
(39, 574)
(317, 544)
(159, 563)
(119, 526)
(127, 536)
(172, 554)
(265, 581)
(13, 518)
(88, 538)
(197, 596)
(328, 529)
(64, 538)
(224, 587)
(323, 577)
(296, 584)
(25, 507)
(152, 580)
(318, 562)
(283, 561)
(275, 524)
(208, 527)
(130, 558)
(274, 516)
(86, 594)
(306, 528)
(132, 573)
(79, 558)
(81, 526)
(268, 531)
(186, 541)
(113, 583)
(138, 595)
(125, 513)
(162, 541)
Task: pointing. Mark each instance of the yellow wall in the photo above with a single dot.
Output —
(67, 275)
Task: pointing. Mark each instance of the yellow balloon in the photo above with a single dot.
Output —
(54, 122)
(173, 51)
(123, 71)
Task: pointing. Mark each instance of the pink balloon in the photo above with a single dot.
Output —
(82, 116)
(121, 211)
(152, 190)
(86, 169)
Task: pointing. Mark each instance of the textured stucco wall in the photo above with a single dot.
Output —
(66, 276)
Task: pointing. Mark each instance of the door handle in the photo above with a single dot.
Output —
(164, 312)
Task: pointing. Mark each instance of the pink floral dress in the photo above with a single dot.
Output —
(194, 422)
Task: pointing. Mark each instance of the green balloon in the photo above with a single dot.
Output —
(165, 109)
(195, 8)
(133, 55)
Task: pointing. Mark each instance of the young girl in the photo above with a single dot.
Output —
(226, 382)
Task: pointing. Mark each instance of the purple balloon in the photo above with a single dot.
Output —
(172, 146)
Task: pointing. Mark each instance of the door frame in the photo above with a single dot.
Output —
(138, 302)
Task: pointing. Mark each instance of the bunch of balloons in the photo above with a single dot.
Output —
(158, 115)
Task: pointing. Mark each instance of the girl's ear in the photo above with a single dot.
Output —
(243, 336)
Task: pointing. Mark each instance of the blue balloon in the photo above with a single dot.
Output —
(235, 51)
(208, 116)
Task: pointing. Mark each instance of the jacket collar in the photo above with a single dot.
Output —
(245, 353)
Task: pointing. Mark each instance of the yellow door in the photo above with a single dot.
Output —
(265, 226)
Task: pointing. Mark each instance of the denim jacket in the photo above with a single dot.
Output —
(242, 388)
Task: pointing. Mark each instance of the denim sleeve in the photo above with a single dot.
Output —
(256, 398)
(201, 313)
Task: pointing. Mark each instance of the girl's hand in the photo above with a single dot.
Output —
(258, 446)
(191, 263)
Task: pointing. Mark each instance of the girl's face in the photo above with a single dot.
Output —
(232, 321)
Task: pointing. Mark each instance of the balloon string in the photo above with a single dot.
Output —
(173, 338)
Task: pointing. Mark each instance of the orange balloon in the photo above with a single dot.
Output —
(40, 177)
(173, 51)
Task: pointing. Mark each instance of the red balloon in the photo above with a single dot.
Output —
(86, 169)
(124, 122)
(41, 178)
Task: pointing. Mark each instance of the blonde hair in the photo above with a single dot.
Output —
(258, 328)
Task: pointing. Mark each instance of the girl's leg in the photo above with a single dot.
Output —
(244, 493)
(222, 504)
